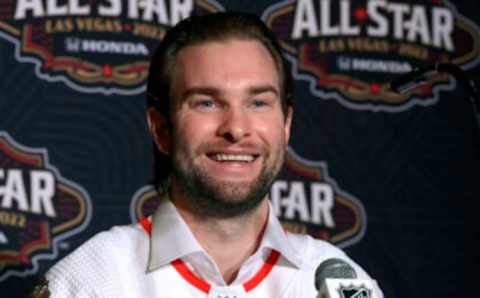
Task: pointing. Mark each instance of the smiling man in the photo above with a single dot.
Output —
(220, 112)
(229, 131)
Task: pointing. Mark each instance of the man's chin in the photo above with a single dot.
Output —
(210, 195)
(232, 199)
(233, 192)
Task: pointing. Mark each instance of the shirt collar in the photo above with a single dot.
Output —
(171, 238)
(275, 237)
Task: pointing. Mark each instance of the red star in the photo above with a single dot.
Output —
(361, 14)
(107, 70)
(375, 88)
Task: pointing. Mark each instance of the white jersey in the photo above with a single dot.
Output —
(160, 258)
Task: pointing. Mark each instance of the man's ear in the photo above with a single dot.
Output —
(288, 124)
(160, 130)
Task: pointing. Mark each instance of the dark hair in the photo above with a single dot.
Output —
(195, 30)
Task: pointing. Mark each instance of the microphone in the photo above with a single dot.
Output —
(335, 278)
(412, 79)
(420, 75)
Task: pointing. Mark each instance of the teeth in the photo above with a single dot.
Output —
(231, 157)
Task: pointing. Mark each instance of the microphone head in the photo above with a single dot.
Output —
(412, 79)
(333, 268)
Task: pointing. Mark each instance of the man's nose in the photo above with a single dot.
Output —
(235, 125)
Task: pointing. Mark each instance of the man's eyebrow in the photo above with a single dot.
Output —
(211, 91)
(216, 92)
(263, 89)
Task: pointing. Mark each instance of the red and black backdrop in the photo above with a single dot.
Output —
(390, 178)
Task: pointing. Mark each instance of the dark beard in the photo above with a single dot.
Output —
(206, 199)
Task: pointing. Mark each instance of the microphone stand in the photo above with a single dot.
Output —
(412, 79)
(420, 75)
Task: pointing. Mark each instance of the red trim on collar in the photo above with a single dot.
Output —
(204, 286)
(146, 224)
(263, 272)
(190, 277)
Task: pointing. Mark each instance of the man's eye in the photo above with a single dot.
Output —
(259, 103)
(207, 103)
(204, 104)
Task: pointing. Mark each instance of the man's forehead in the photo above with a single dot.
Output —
(222, 62)
(233, 42)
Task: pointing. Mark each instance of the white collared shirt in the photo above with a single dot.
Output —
(160, 257)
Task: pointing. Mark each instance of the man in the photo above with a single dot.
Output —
(220, 113)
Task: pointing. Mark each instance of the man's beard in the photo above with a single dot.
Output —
(207, 196)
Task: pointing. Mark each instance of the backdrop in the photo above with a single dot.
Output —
(390, 178)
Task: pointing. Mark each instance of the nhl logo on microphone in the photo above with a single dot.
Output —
(348, 288)
(354, 292)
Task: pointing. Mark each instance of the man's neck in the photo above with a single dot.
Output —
(229, 241)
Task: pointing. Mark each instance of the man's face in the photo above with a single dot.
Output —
(229, 133)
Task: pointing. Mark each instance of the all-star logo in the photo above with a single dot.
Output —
(38, 208)
(93, 46)
(350, 50)
(308, 201)
(305, 199)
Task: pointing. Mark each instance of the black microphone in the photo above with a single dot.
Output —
(335, 278)
(422, 74)
(412, 79)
